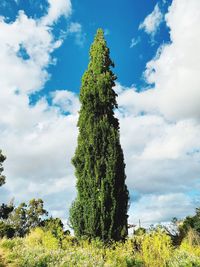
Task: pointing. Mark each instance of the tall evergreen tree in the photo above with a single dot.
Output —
(100, 209)
(2, 177)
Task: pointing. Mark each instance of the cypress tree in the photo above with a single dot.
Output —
(100, 209)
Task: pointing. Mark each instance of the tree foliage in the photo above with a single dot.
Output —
(100, 209)
(5, 210)
(2, 177)
(26, 217)
(6, 230)
(19, 221)
(55, 226)
(190, 222)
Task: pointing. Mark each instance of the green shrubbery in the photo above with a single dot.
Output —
(40, 248)
(156, 248)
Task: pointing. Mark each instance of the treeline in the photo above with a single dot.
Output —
(19, 221)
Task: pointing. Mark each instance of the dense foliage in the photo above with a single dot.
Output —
(18, 221)
(25, 217)
(190, 222)
(100, 209)
(2, 177)
(40, 248)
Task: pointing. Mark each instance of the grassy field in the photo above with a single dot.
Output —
(154, 249)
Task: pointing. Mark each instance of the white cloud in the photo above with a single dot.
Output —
(38, 140)
(160, 126)
(160, 156)
(37, 41)
(149, 209)
(174, 141)
(76, 29)
(176, 69)
(136, 103)
(57, 8)
(66, 100)
(152, 22)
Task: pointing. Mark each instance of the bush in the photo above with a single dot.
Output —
(6, 230)
(40, 248)
(38, 257)
(121, 254)
(184, 259)
(69, 241)
(156, 248)
(55, 226)
(9, 244)
(41, 238)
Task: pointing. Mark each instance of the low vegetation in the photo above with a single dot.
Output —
(44, 247)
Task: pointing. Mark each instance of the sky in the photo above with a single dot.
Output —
(44, 48)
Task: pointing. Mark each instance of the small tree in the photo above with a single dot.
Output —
(100, 209)
(55, 226)
(18, 219)
(5, 210)
(2, 177)
(26, 217)
(35, 213)
(190, 222)
(6, 230)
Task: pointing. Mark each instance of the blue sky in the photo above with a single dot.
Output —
(44, 52)
(120, 22)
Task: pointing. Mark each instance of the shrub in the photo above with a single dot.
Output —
(55, 226)
(9, 244)
(6, 230)
(69, 241)
(191, 243)
(184, 259)
(156, 248)
(39, 237)
(153, 249)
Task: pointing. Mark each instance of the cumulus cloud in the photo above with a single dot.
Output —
(149, 209)
(38, 43)
(57, 8)
(152, 22)
(160, 156)
(161, 144)
(175, 69)
(66, 100)
(38, 140)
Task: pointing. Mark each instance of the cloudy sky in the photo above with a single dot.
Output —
(43, 54)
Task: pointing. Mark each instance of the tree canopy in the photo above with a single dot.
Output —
(2, 177)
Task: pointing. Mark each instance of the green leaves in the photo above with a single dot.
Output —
(25, 217)
(2, 177)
